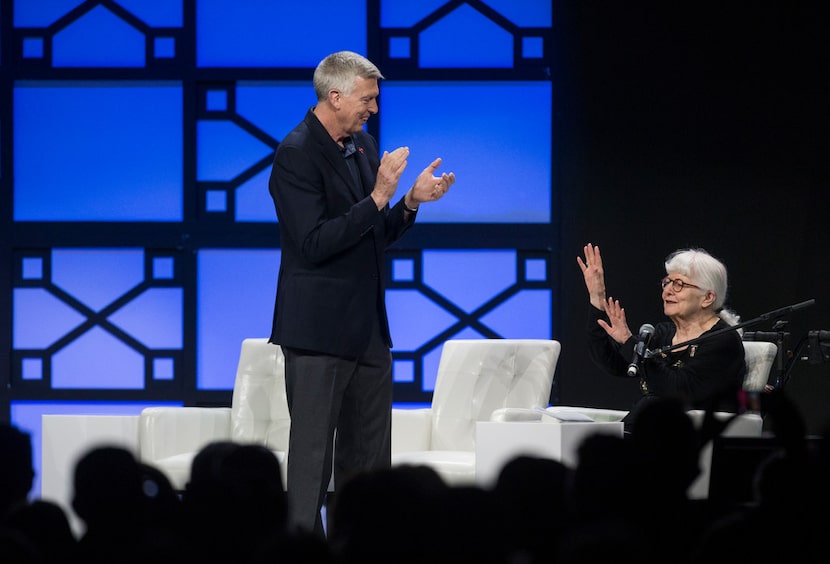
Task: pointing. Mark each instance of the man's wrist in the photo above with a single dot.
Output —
(409, 208)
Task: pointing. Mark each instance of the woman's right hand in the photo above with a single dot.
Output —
(594, 275)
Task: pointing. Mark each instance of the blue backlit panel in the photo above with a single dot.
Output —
(414, 319)
(394, 13)
(236, 292)
(253, 200)
(225, 150)
(465, 38)
(155, 13)
(495, 136)
(243, 136)
(474, 292)
(164, 307)
(526, 13)
(275, 107)
(41, 13)
(31, 305)
(114, 151)
(99, 38)
(98, 360)
(264, 33)
(526, 315)
(450, 273)
(104, 312)
(96, 277)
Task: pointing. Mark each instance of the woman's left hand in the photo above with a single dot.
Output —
(617, 329)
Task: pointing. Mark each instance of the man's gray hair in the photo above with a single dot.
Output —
(338, 71)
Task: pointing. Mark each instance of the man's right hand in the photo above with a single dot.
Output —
(389, 173)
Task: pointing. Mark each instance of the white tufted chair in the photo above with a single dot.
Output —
(476, 377)
(169, 437)
(759, 356)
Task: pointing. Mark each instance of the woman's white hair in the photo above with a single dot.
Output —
(707, 272)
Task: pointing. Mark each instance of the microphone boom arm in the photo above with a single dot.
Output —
(774, 314)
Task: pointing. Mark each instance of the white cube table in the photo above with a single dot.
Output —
(498, 442)
(65, 438)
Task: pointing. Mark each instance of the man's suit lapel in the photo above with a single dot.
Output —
(367, 177)
(331, 153)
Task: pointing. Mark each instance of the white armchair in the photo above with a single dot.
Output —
(476, 377)
(760, 357)
(169, 437)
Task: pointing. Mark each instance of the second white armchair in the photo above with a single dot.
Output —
(476, 377)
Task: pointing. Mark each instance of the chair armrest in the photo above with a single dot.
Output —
(506, 414)
(746, 425)
(168, 431)
(742, 425)
(600, 414)
(411, 429)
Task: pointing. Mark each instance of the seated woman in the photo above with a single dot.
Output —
(704, 375)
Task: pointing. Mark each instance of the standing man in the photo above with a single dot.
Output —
(332, 193)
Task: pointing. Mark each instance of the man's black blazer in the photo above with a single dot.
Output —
(333, 239)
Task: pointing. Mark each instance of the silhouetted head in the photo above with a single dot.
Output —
(107, 488)
(16, 470)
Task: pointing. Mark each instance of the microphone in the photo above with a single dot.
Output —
(643, 339)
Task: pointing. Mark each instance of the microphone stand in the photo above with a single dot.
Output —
(774, 314)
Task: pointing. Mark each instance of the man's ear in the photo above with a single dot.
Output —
(334, 98)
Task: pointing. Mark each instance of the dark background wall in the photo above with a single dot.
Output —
(701, 125)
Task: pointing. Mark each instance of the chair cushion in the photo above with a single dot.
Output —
(456, 467)
(177, 468)
(165, 431)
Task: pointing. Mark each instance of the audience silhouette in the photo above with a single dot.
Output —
(790, 493)
(123, 506)
(234, 503)
(35, 531)
(532, 497)
(665, 452)
(45, 526)
(385, 515)
(17, 472)
(601, 504)
(625, 499)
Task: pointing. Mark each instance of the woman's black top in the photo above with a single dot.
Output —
(706, 375)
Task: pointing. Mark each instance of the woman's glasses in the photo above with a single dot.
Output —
(676, 284)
